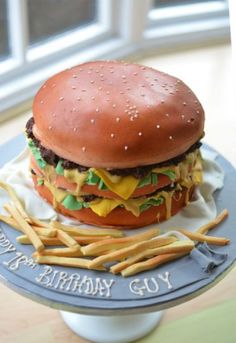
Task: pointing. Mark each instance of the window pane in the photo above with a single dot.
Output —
(48, 18)
(4, 46)
(164, 3)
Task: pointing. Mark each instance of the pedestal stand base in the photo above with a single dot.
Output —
(112, 329)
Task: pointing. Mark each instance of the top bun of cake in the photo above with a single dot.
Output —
(110, 114)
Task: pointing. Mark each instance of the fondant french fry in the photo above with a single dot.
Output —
(116, 243)
(151, 263)
(61, 252)
(26, 228)
(43, 231)
(55, 241)
(213, 223)
(176, 247)
(10, 221)
(65, 261)
(199, 237)
(67, 240)
(14, 198)
(74, 231)
(39, 230)
(131, 250)
(37, 222)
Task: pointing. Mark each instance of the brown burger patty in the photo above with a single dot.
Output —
(139, 172)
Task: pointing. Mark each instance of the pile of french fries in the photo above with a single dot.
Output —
(102, 249)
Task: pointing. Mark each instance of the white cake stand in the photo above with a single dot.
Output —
(112, 329)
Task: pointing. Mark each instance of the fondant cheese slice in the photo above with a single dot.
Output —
(103, 207)
(122, 186)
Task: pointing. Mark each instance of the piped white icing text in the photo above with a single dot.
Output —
(18, 260)
(5, 245)
(76, 283)
(150, 285)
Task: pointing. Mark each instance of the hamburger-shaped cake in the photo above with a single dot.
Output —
(116, 144)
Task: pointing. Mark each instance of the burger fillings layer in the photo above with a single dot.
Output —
(116, 144)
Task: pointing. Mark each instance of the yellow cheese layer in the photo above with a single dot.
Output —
(125, 186)
(103, 207)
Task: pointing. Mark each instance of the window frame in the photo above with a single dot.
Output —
(24, 57)
(197, 22)
(27, 67)
(187, 12)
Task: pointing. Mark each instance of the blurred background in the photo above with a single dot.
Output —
(187, 38)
